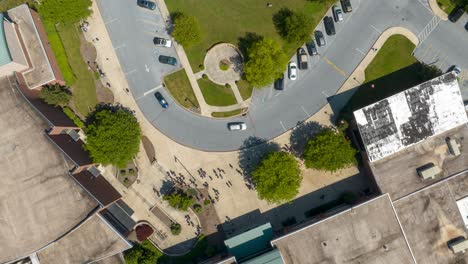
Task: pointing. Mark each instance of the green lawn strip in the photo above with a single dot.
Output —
(245, 89)
(84, 88)
(446, 5)
(393, 70)
(228, 114)
(229, 20)
(216, 95)
(59, 53)
(179, 87)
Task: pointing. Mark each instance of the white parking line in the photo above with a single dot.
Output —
(110, 21)
(152, 90)
(326, 95)
(283, 126)
(130, 72)
(121, 46)
(278, 94)
(360, 51)
(376, 29)
(303, 109)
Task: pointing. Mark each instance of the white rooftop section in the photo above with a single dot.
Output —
(411, 116)
(462, 205)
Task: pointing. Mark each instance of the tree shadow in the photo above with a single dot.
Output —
(252, 152)
(166, 187)
(236, 63)
(301, 134)
(245, 42)
(279, 20)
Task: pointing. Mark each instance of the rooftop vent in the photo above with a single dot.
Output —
(429, 171)
(453, 146)
(457, 245)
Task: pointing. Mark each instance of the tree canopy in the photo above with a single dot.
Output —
(329, 151)
(179, 200)
(266, 61)
(277, 178)
(55, 95)
(144, 253)
(187, 30)
(66, 11)
(295, 27)
(113, 135)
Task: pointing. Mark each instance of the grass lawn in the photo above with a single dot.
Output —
(84, 89)
(394, 69)
(216, 95)
(230, 20)
(245, 89)
(228, 114)
(446, 5)
(179, 86)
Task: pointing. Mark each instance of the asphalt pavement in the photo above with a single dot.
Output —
(271, 112)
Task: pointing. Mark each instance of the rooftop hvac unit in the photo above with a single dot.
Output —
(429, 171)
(453, 146)
(457, 245)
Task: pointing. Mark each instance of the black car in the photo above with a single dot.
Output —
(329, 26)
(146, 4)
(161, 100)
(311, 48)
(346, 4)
(279, 83)
(466, 26)
(456, 14)
(320, 38)
(167, 60)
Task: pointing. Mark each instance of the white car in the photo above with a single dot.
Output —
(337, 14)
(456, 70)
(292, 71)
(235, 126)
(161, 42)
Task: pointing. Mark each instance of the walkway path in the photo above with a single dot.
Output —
(236, 92)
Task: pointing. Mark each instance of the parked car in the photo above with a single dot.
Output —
(466, 26)
(302, 58)
(236, 126)
(146, 4)
(329, 26)
(161, 42)
(311, 48)
(456, 70)
(456, 14)
(292, 71)
(167, 60)
(337, 13)
(319, 38)
(346, 5)
(279, 83)
(161, 100)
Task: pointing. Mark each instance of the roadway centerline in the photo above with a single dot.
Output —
(335, 67)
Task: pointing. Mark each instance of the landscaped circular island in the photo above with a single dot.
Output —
(223, 63)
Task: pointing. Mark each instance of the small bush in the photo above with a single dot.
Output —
(204, 76)
(176, 229)
(131, 172)
(223, 66)
(207, 202)
(55, 94)
(197, 208)
(228, 86)
(126, 181)
(68, 112)
(201, 67)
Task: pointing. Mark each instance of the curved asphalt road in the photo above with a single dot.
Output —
(272, 112)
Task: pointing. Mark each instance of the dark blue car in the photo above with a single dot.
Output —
(161, 100)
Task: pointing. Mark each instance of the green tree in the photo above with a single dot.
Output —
(266, 61)
(144, 253)
(329, 151)
(55, 95)
(427, 72)
(66, 11)
(187, 30)
(294, 27)
(277, 178)
(175, 229)
(113, 135)
(179, 200)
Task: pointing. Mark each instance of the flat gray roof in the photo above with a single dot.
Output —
(367, 233)
(411, 116)
(91, 241)
(397, 174)
(39, 201)
(431, 217)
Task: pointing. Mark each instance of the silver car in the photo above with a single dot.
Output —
(337, 13)
(236, 126)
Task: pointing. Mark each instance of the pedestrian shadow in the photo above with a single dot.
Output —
(301, 134)
(252, 152)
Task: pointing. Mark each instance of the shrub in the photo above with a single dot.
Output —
(201, 67)
(176, 229)
(197, 208)
(179, 200)
(228, 86)
(55, 95)
(68, 112)
(204, 76)
(207, 202)
(131, 172)
(223, 66)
